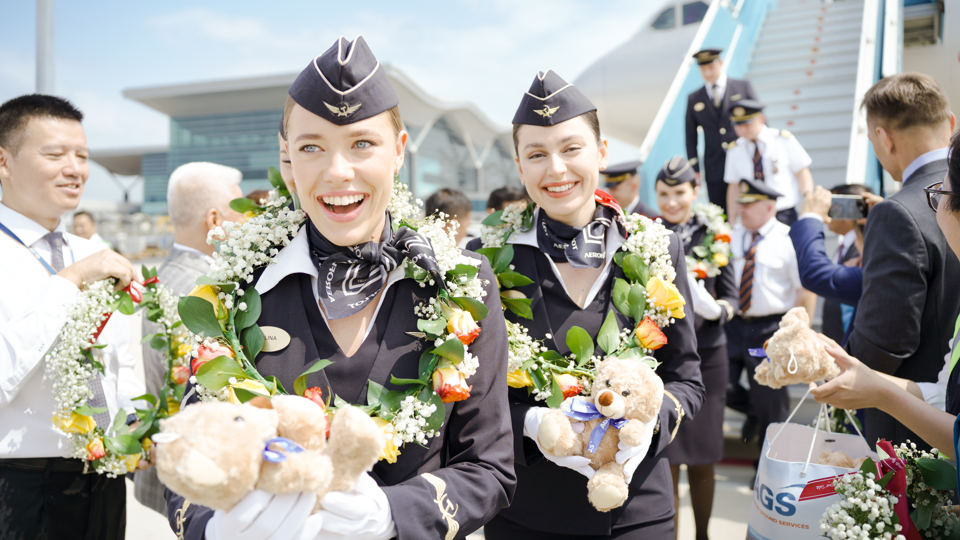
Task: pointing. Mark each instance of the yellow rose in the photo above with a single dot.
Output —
(677, 313)
(184, 350)
(519, 379)
(390, 451)
(209, 293)
(248, 384)
(462, 325)
(720, 259)
(664, 294)
(132, 461)
(76, 423)
(173, 406)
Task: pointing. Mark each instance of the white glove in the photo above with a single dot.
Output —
(262, 516)
(531, 424)
(704, 305)
(361, 514)
(631, 456)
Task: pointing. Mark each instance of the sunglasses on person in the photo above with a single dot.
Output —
(935, 194)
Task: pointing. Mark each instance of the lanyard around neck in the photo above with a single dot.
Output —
(17, 239)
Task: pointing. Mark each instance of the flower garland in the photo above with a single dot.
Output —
(647, 295)
(713, 253)
(116, 449)
(223, 316)
(930, 484)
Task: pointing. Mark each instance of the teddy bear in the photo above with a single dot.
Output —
(795, 354)
(215, 453)
(625, 394)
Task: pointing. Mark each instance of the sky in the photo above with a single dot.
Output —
(484, 51)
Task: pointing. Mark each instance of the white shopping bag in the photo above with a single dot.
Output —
(790, 493)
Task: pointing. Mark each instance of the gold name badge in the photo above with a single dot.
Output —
(698, 106)
(274, 339)
(735, 97)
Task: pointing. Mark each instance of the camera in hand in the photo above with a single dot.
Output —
(847, 207)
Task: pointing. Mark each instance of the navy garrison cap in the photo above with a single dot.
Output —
(345, 84)
(551, 100)
(676, 171)
(707, 56)
(755, 190)
(615, 174)
(745, 110)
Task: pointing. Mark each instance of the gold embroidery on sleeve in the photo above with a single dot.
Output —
(179, 517)
(680, 414)
(447, 509)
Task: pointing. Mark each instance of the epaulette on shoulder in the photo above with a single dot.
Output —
(731, 144)
(785, 134)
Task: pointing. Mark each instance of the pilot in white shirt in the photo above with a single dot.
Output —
(769, 155)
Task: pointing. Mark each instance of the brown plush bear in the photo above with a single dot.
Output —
(214, 453)
(795, 353)
(622, 389)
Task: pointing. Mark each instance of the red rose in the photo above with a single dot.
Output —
(569, 385)
(315, 394)
(180, 374)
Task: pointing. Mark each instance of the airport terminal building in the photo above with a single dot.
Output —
(235, 123)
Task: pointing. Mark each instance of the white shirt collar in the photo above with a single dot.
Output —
(28, 230)
(721, 85)
(848, 239)
(614, 241)
(934, 155)
(182, 247)
(768, 226)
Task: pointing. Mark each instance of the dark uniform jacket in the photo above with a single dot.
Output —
(911, 294)
(642, 209)
(470, 460)
(724, 287)
(718, 131)
(552, 498)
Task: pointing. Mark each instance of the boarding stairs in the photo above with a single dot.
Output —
(804, 69)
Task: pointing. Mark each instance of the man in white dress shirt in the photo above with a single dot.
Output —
(198, 200)
(43, 168)
(765, 267)
(772, 156)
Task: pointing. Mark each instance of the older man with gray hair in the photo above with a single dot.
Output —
(198, 199)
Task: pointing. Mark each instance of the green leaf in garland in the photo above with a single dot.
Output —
(275, 386)
(404, 382)
(244, 395)
(252, 341)
(556, 395)
(518, 306)
(225, 286)
(159, 342)
(538, 378)
(510, 279)
(243, 204)
(435, 421)
(489, 253)
(451, 349)
(621, 290)
(938, 474)
(276, 179)
(126, 304)
(638, 302)
(375, 392)
(503, 258)
(609, 336)
(119, 422)
(580, 344)
(431, 327)
(468, 270)
(493, 219)
(390, 403)
(476, 308)
(122, 444)
(149, 398)
(619, 257)
(922, 515)
(701, 251)
(300, 384)
(198, 316)
(247, 318)
(869, 466)
(216, 373)
(87, 410)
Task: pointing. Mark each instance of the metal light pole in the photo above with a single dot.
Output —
(45, 46)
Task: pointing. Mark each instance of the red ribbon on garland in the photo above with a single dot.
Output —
(135, 290)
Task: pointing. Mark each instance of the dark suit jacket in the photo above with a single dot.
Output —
(551, 498)
(717, 128)
(836, 283)
(472, 454)
(724, 287)
(911, 294)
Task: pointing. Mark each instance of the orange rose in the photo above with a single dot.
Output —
(700, 270)
(722, 236)
(206, 353)
(461, 324)
(649, 336)
(315, 394)
(569, 385)
(450, 384)
(95, 449)
(180, 374)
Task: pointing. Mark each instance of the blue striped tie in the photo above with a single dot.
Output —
(98, 400)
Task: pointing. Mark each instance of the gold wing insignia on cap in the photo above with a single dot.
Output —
(698, 106)
(744, 187)
(447, 508)
(737, 111)
(547, 111)
(343, 109)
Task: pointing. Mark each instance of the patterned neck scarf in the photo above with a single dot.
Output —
(582, 248)
(350, 277)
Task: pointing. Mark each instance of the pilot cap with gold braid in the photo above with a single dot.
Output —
(745, 110)
(345, 84)
(615, 174)
(551, 100)
(755, 190)
(677, 171)
(707, 56)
